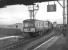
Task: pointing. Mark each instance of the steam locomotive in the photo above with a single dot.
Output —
(35, 27)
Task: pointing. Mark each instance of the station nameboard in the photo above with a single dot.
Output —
(51, 8)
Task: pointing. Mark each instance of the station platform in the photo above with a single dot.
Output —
(48, 44)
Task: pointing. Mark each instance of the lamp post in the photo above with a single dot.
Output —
(64, 18)
(33, 11)
(63, 6)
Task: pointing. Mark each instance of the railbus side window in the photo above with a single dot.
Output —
(45, 24)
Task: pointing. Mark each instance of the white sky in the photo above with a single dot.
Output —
(17, 13)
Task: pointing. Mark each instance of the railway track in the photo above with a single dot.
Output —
(25, 42)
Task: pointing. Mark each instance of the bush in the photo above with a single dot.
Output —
(10, 32)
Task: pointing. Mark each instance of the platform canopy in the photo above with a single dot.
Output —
(25, 2)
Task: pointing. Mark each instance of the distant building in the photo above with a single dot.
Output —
(19, 26)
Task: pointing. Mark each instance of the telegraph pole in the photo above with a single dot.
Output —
(32, 10)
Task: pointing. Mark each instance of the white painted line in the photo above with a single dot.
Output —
(2, 38)
(44, 43)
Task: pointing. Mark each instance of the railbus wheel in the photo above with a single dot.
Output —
(40, 33)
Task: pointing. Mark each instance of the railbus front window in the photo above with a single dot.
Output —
(26, 25)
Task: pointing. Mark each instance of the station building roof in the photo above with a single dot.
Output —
(25, 2)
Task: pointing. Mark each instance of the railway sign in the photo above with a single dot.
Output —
(51, 8)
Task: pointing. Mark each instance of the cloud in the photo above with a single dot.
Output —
(13, 14)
